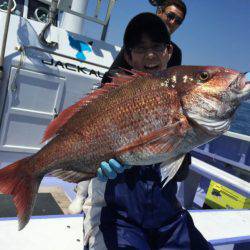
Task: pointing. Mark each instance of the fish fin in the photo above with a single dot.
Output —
(135, 73)
(170, 168)
(124, 78)
(57, 124)
(169, 137)
(15, 180)
(72, 176)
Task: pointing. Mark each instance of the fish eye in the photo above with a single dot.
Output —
(203, 76)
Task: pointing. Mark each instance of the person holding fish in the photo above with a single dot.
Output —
(173, 13)
(133, 209)
(148, 119)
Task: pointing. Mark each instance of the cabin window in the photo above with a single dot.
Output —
(17, 8)
(39, 11)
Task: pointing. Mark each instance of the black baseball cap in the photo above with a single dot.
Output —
(145, 23)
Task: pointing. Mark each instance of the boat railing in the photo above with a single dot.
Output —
(221, 160)
(238, 136)
(231, 149)
(66, 6)
(199, 168)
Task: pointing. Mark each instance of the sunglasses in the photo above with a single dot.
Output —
(172, 16)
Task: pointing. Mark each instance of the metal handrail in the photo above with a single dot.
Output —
(240, 165)
(62, 7)
(238, 136)
(204, 169)
(65, 6)
(93, 19)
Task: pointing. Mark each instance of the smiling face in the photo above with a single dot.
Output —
(149, 56)
(172, 16)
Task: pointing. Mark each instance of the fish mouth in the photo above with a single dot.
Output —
(241, 87)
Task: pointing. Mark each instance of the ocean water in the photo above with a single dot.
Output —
(241, 122)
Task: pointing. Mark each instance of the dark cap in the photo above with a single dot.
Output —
(145, 23)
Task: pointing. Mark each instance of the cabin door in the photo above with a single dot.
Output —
(33, 99)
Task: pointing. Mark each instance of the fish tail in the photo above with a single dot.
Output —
(23, 186)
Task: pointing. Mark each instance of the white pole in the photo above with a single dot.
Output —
(73, 23)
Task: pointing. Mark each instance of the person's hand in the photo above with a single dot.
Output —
(81, 194)
(109, 170)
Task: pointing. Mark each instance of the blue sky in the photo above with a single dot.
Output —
(215, 32)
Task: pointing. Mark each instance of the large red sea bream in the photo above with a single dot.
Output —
(139, 120)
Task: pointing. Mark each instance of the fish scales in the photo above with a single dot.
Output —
(135, 116)
(145, 120)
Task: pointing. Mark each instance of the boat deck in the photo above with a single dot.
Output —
(220, 227)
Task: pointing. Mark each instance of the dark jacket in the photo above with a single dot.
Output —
(176, 57)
